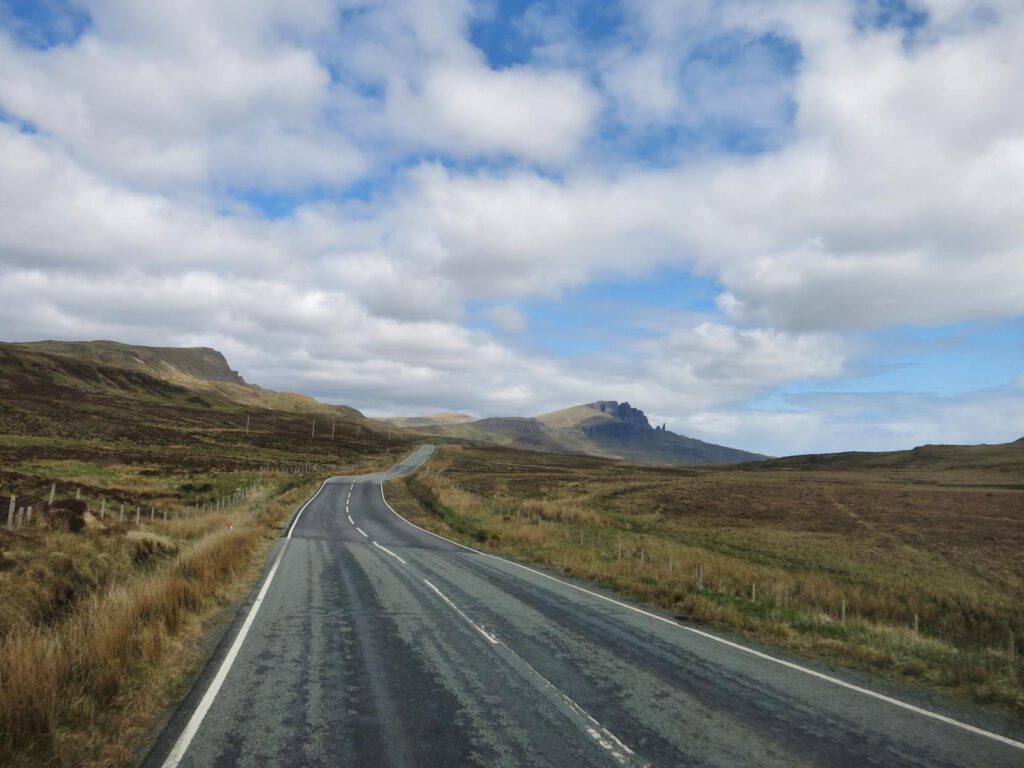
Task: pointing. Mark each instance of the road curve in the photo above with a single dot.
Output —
(373, 643)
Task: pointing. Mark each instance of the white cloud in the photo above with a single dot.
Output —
(896, 198)
(473, 110)
(156, 98)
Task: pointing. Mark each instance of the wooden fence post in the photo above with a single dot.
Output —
(10, 514)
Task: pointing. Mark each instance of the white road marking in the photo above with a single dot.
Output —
(350, 519)
(378, 546)
(490, 638)
(605, 738)
(185, 739)
(361, 531)
(707, 635)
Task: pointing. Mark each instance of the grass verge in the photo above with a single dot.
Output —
(81, 689)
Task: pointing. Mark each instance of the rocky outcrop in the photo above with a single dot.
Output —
(626, 421)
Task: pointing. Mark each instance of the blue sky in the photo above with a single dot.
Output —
(782, 230)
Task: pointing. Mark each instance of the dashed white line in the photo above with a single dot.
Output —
(361, 531)
(350, 519)
(604, 738)
(490, 638)
(385, 549)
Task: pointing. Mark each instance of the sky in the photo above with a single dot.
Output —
(787, 226)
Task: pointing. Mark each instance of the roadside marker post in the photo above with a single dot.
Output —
(53, 491)
(137, 512)
(21, 517)
(103, 509)
(10, 514)
(120, 518)
(78, 494)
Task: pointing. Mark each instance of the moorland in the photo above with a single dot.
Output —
(909, 564)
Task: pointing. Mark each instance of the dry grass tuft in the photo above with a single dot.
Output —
(55, 677)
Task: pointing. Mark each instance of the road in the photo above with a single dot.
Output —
(374, 643)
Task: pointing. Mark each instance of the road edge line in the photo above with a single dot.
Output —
(759, 654)
(192, 727)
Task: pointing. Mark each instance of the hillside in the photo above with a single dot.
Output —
(1006, 457)
(605, 428)
(201, 370)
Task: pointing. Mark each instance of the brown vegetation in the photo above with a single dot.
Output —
(72, 681)
(916, 571)
(100, 615)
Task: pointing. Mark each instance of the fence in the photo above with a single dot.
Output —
(34, 508)
(37, 508)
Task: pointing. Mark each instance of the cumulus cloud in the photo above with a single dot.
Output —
(475, 110)
(833, 175)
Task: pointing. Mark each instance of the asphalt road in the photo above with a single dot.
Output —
(377, 644)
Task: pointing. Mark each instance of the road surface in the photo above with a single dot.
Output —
(374, 643)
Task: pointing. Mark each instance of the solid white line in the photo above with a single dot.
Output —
(361, 531)
(736, 646)
(185, 739)
(296, 520)
(378, 546)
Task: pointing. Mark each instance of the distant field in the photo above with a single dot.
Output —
(910, 564)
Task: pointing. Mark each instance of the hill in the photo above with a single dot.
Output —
(203, 371)
(1005, 457)
(171, 363)
(437, 419)
(605, 428)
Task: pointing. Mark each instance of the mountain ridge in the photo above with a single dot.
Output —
(604, 428)
(201, 370)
